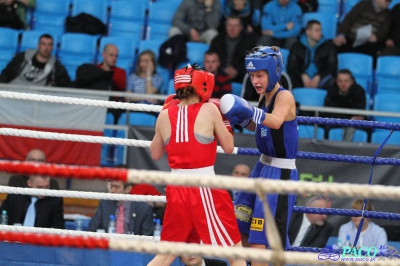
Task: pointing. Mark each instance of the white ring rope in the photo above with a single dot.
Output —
(80, 194)
(81, 138)
(79, 101)
(149, 244)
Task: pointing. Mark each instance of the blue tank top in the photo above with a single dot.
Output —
(278, 143)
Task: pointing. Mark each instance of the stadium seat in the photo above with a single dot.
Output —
(285, 56)
(79, 45)
(337, 134)
(126, 48)
(153, 45)
(393, 3)
(308, 132)
(379, 136)
(96, 8)
(128, 10)
(8, 42)
(107, 153)
(387, 102)
(171, 89)
(328, 22)
(309, 96)
(30, 40)
(347, 6)
(160, 19)
(195, 53)
(237, 88)
(128, 29)
(329, 7)
(50, 16)
(387, 74)
(142, 119)
(360, 65)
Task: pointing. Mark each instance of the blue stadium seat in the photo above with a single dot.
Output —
(237, 88)
(160, 19)
(387, 74)
(49, 16)
(360, 65)
(30, 40)
(153, 45)
(8, 45)
(126, 48)
(347, 6)
(308, 131)
(309, 96)
(96, 8)
(142, 119)
(387, 102)
(171, 89)
(337, 134)
(128, 29)
(329, 7)
(128, 10)
(195, 52)
(328, 22)
(393, 3)
(379, 136)
(82, 46)
(107, 152)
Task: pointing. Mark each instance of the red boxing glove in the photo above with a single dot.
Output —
(170, 101)
(226, 121)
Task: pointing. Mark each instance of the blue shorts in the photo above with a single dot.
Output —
(249, 209)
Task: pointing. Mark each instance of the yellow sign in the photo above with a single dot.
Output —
(257, 224)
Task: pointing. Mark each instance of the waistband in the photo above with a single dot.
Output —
(209, 170)
(278, 162)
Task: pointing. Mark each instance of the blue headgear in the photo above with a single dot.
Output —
(266, 58)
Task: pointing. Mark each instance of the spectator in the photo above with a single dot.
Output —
(280, 23)
(197, 19)
(36, 211)
(308, 5)
(366, 16)
(199, 261)
(240, 170)
(103, 76)
(13, 13)
(372, 235)
(131, 216)
(37, 156)
(223, 82)
(241, 8)
(392, 44)
(232, 46)
(36, 67)
(311, 230)
(345, 93)
(145, 79)
(312, 61)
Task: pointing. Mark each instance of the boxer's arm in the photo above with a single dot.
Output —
(157, 148)
(224, 137)
(239, 111)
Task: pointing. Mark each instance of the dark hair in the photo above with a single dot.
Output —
(311, 22)
(345, 71)
(47, 36)
(152, 57)
(357, 205)
(211, 52)
(233, 16)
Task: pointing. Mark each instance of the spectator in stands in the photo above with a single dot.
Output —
(392, 44)
(240, 170)
(312, 61)
(372, 235)
(36, 211)
(145, 79)
(131, 217)
(223, 84)
(36, 67)
(345, 93)
(371, 17)
(231, 48)
(308, 5)
(311, 230)
(241, 8)
(13, 13)
(103, 76)
(36, 156)
(199, 261)
(197, 19)
(280, 23)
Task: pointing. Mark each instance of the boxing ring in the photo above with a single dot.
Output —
(149, 245)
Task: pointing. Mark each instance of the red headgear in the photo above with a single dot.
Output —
(201, 80)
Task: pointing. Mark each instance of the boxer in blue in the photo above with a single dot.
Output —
(275, 124)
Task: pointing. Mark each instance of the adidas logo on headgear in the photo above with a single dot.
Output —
(250, 65)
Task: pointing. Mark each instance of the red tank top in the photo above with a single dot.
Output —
(184, 151)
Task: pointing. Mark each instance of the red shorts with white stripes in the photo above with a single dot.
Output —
(195, 214)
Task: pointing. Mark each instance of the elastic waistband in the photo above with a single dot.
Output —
(278, 162)
(209, 170)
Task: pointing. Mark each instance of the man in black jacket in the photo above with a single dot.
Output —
(312, 61)
(49, 211)
(36, 67)
(231, 48)
(310, 230)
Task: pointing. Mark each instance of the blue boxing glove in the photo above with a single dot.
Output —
(239, 111)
